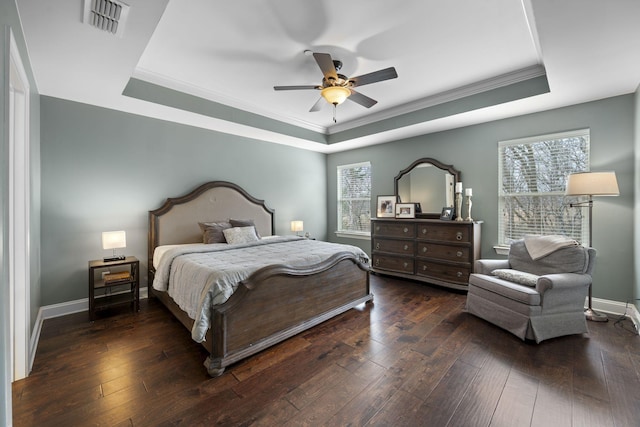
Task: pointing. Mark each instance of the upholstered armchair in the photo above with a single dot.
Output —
(537, 298)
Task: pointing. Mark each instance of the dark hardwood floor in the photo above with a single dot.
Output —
(413, 357)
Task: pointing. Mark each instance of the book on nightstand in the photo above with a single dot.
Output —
(111, 278)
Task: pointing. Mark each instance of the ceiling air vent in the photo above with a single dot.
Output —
(106, 15)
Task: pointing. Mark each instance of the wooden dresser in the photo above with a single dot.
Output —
(429, 250)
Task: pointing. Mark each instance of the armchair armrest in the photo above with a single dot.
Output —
(486, 266)
(562, 292)
(562, 281)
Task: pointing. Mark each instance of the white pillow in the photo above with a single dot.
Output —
(516, 276)
(237, 235)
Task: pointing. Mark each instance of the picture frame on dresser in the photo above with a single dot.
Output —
(447, 214)
(405, 210)
(386, 207)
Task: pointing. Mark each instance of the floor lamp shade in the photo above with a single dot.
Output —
(592, 184)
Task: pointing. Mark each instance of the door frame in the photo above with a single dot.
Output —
(19, 214)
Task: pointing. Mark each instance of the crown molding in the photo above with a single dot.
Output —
(191, 89)
(502, 80)
(430, 101)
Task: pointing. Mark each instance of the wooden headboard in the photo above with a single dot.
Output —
(176, 221)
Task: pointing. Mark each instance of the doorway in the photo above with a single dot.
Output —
(19, 215)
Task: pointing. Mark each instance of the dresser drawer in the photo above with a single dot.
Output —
(393, 263)
(405, 247)
(394, 229)
(449, 273)
(448, 233)
(427, 250)
(444, 252)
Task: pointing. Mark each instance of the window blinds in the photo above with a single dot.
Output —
(354, 198)
(532, 179)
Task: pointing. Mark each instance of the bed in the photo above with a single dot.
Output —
(274, 301)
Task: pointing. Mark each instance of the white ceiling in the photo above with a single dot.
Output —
(233, 53)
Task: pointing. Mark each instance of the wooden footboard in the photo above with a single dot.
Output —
(278, 302)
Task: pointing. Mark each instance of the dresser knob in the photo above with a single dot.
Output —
(459, 274)
(424, 231)
(459, 254)
(459, 235)
(377, 228)
(406, 230)
(424, 268)
(406, 247)
(424, 249)
(377, 261)
(406, 264)
(378, 245)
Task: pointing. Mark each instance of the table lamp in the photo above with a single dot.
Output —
(297, 226)
(114, 240)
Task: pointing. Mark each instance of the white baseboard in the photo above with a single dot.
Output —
(35, 338)
(614, 307)
(70, 307)
(634, 315)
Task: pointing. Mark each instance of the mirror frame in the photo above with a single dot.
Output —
(448, 168)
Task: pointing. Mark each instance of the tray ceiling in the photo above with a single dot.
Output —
(213, 64)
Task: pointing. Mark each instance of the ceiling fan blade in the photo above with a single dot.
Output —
(326, 65)
(295, 87)
(361, 99)
(376, 76)
(318, 105)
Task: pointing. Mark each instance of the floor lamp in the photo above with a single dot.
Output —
(592, 184)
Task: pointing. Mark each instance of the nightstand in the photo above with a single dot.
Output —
(113, 283)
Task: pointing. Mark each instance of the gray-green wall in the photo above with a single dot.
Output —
(474, 151)
(636, 294)
(104, 170)
(10, 24)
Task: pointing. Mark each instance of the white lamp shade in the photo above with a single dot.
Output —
(592, 184)
(297, 225)
(114, 239)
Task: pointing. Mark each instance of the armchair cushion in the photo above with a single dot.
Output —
(506, 289)
(516, 276)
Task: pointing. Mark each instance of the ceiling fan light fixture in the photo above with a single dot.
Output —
(335, 94)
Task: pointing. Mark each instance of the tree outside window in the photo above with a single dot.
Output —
(532, 179)
(354, 198)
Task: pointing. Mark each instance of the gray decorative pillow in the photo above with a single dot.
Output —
(515, 276)
(244, 223)
(212, 232)
(236, 235)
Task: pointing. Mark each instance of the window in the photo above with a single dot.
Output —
(354, 199)
(532, 178)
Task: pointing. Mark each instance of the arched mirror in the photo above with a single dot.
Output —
(428, 182)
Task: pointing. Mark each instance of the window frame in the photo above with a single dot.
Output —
(579, 218)
(352, 233)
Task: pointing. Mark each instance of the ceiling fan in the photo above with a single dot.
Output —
(336, 88)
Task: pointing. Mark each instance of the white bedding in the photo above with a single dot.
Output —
(198, 276)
